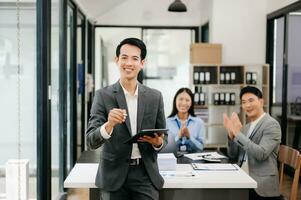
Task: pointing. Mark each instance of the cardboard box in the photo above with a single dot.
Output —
(167, 162)
(204, 53)
(17, 179)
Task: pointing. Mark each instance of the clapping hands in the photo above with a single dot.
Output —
(232, 124)
(184, 131)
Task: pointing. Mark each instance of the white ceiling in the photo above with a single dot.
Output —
(140, 12)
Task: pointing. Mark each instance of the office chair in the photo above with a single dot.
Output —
(291, 157)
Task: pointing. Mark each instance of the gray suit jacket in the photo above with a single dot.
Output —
(114, 164)
(262, 148)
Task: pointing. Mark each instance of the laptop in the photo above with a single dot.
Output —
(171, 146)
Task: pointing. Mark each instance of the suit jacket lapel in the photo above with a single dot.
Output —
(258, 125)
(246, 129)
(120, 98)
(141, 104)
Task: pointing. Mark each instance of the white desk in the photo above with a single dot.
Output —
(218, 184)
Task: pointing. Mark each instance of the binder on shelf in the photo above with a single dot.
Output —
(202, 78)
(254, 78)
(216, 98)
(233, 77)
(196, 77)
(232, 98)
(227, 98)
(221, 98)
(222, 78)
(207, 77)
(202, 98)
(227, 78)
(196, 96)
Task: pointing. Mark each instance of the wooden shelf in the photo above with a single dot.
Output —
(213, 113)
(200, 106)
(224, 105)
(227, 85)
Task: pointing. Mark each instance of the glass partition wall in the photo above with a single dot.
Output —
(55, 137)
(276, 108)
(18, 89)
(70, 63)
(283, 49)
(22, 123)
(166, 63)
(294, 79)
(80, 83)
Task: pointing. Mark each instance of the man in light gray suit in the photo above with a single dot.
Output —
(256, 147)
(119, 111)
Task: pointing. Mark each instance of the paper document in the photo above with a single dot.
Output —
(177, 173)
(207, 155)
(213, 167)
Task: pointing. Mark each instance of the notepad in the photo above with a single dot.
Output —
(205, 155)
(177, 174)
(213, 167)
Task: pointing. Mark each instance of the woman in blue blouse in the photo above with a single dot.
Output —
(184, 126)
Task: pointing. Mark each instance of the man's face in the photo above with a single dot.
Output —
(252, 105)
(129, 62)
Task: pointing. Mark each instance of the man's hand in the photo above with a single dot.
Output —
(228, 126)
(236, 124)
(116, 116)
(156, 141)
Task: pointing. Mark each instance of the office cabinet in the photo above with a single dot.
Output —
(216, 91)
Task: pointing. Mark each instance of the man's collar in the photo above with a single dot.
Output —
(258, 119)
(126, 92)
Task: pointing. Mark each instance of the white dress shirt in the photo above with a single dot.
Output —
(132, 104)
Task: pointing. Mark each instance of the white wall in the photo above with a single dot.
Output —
(273, 5)
(240, 26)
(205, 11)
(150, 13)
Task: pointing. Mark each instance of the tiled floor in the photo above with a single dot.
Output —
(82, 194)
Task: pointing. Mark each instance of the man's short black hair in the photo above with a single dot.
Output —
(135, 42)
(251, 89)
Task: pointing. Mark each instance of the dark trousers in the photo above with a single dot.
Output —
(137, 186)
(254, 196)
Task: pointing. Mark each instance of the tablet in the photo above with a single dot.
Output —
(149, 132)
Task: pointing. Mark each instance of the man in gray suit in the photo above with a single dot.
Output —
(256, 147)
(119, 111)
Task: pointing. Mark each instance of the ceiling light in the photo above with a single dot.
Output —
(177, 6)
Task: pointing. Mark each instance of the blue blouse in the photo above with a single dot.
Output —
(196, 129)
